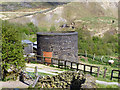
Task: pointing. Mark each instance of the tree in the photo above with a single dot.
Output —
(12, 52)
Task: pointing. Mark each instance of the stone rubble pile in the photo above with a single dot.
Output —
(69, 79)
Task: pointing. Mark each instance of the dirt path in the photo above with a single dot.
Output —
(102, 32)
(39, 70)
(12, 84)
(52, 70)
(41, 11)
(43, 68)
(108, 83)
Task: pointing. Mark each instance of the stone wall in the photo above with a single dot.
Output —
(62, 45)
(28, 49)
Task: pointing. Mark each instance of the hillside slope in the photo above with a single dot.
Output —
(76, 10)
(97, 17)
(80, 13)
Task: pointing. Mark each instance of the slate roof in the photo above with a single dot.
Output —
(27, 41)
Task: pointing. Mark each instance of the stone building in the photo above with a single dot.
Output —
(61, 45)
(28, 46)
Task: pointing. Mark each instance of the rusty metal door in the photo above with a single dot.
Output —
(47, 54)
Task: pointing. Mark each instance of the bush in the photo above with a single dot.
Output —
(82, 59)
(12, 52)
(107, 45)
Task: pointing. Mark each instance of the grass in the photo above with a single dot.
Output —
(108, 72)
(33, 67)
(102, 65)
(97, 19)
(107, 79)
(41, 74)
(44, 74)
(97, 60)
(61, 68)
(31, 37)
(99, 22)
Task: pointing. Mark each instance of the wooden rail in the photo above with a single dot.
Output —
(115, 77)
(42, 61)
(36, 81)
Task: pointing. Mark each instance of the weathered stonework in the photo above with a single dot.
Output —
(63, 45)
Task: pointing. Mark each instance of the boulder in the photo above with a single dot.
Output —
(110, 61)
(90, 82)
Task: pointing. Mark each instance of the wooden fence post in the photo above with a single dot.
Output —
(98, 71)
(105, 73)
(36, 72)
(27, 58)
(111, 75)
(35, 81)
(65, 64)
(77, 66)
(21, 78)
(84, 68)
(86, 60)
(71, 65)
(36, 59)
(58, 63)
(43, 60)
(51, 61)
(91, 70)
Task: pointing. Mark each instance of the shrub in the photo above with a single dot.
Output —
(12, 52)
(82, 59)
